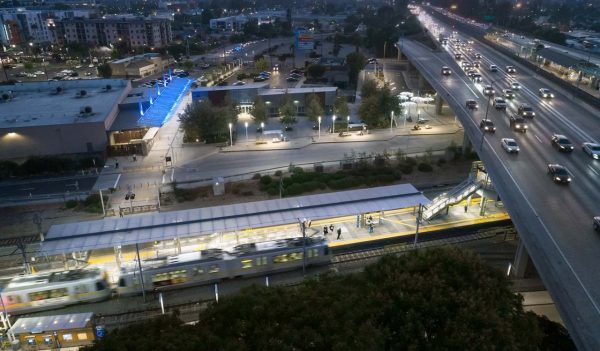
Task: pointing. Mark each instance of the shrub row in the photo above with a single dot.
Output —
(46, 165)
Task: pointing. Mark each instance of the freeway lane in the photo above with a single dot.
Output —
(554, 220)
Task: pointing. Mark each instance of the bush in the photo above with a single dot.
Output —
(266, 180)
(256, 176)
(71, 204)
(406, 168)
(278, 173)
(247, 193)
(297, 170)
(441, 162)
(411, 161)
(425, 167)
(273, 191)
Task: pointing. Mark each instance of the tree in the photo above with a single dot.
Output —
(204, 121)
(355, 62)
(369, 88)
(259, 111)
(435, 299)
(104, 70)
(314, 107)
(287, 111)
(315, 71)
(340, 106)
(28, 66)
(261, 65)
(370, 113)
(188, 65)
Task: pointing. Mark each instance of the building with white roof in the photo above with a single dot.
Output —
(58, 117)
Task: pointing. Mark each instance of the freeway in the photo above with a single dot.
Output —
(555, 221)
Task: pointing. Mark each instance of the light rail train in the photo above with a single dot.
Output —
(45, 291)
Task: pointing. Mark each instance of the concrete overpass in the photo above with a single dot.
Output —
(554, 221)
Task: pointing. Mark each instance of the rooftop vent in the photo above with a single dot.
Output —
(85, 111)
(106, 88)
(58, 90)
(81, 93)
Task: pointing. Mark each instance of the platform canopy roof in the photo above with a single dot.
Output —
(44, 324)
(138, 229)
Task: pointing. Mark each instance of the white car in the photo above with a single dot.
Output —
(238, 83)
(511, 69)
(515, 85)
(488, 90)
(509, 145)
(546, 93)
(499, 103)
(39, 73)
(592, 149)
(494, 68)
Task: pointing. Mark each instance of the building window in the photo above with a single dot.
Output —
(82, 336)
(68, 337)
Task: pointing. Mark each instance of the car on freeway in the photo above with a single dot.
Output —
(561, 142)
(476, 64)
(471, 73)
(477, 78)
(487, 126)
(472, 105)
(515, 85)
(546, 93)
(511, 69)
(591, 149)
(478, 56)
(526, 111)
(488, 90)
(446, 71)
(518, 123)
(499, 103)
(510, 145)
(559, 173)
(458, 57)
(239, 83)
(597, 223)
(493, 68)
(509, 94)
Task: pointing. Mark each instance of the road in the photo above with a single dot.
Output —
(225, 164)
(47, 186)
(554, 220)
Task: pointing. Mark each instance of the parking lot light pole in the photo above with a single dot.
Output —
(230, 136)
(348, 124)
(333, 124)
(319, 127)
(246, 125)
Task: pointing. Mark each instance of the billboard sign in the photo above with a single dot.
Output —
(304, 39)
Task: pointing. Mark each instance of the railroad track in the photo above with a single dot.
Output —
(343, 263)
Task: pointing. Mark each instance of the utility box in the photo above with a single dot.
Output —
(218, 186)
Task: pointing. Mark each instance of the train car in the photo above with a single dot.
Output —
(210, 266)
(37, 292)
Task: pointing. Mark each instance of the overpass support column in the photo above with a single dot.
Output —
(466, 147)
(422, 82)
(439, 103)
(521, 262)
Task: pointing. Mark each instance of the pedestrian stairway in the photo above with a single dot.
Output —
(465, 189)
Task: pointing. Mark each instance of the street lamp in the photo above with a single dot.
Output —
(262, 127)
(391, 121)
(333, 126)
(348, 124)
(487, 109)
(230, 135)
(319, 127)
(246, 125)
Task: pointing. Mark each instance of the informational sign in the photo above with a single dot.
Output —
(304, 39)
(100, 332)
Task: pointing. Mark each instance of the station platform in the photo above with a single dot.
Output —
(389, 225)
